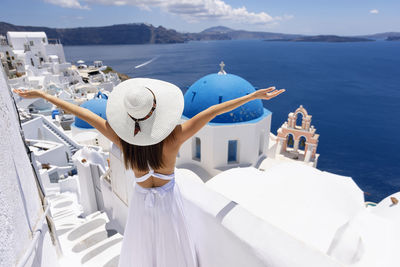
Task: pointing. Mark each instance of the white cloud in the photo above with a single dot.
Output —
(67, 3)
(190, 10)
(374, 11)
(72, 17)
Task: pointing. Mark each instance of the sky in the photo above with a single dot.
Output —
(342, 17)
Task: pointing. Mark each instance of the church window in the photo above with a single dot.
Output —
(261, 145)
(232, 151)
(197, 149)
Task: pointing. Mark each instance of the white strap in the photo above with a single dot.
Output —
(144, 177)
(164, 176)
(155, 174)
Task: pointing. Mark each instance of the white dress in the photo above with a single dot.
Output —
(156, 232)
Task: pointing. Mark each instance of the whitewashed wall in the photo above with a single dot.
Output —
(55, 49)
(20, 206)
(19, 39)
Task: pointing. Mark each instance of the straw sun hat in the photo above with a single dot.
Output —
(144, 111)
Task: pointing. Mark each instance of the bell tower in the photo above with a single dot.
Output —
(297, 138)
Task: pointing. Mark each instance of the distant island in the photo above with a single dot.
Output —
(325, 38)
(393, 38)
(142, 33)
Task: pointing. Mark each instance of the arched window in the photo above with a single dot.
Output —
(197, 149)
(290, 141)
(302, 143)
(299, 119)
(232, 151)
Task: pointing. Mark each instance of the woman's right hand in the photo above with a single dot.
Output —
(268, 93)
(29, 93)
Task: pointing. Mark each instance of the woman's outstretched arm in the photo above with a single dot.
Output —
(192, 126)
(93, 119)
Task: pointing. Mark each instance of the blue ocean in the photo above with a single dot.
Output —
(352, 91)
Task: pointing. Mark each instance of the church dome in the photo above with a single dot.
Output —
(217, 88)
(97, 106)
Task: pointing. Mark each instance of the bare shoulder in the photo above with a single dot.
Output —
(172, 142)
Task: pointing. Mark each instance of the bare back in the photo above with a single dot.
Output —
(169, 153)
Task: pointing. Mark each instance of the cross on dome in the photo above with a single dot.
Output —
(222, 71)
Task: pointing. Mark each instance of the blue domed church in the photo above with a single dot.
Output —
(86, 134)
(238, 138)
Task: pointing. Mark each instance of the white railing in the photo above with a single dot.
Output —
(36, 234)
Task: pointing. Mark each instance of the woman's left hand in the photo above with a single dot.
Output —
(267, 93)
(29, 93)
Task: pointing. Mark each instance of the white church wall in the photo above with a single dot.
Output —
(214, 145)
(20, 206)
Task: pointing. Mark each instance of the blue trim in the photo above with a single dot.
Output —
(73, 125)
(266, 114)
(54, 113)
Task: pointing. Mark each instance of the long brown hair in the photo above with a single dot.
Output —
(141, 157)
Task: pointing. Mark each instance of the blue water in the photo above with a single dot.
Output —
(352, 90)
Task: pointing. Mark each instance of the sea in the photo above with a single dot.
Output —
(352, 91)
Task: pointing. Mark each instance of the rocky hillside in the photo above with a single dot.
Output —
(141, 33)
(107, 35)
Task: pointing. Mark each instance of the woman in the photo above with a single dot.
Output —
(143, 117)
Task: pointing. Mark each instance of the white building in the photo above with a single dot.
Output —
(39, 46)
(235, 139)
(32, 61)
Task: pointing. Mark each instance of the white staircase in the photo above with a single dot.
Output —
(72, 145)
(86, 241)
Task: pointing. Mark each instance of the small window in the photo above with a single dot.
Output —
(261, 145)
(44, 40)
(197, 149)
(232, 151)
(31, 43)
(32, 62)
